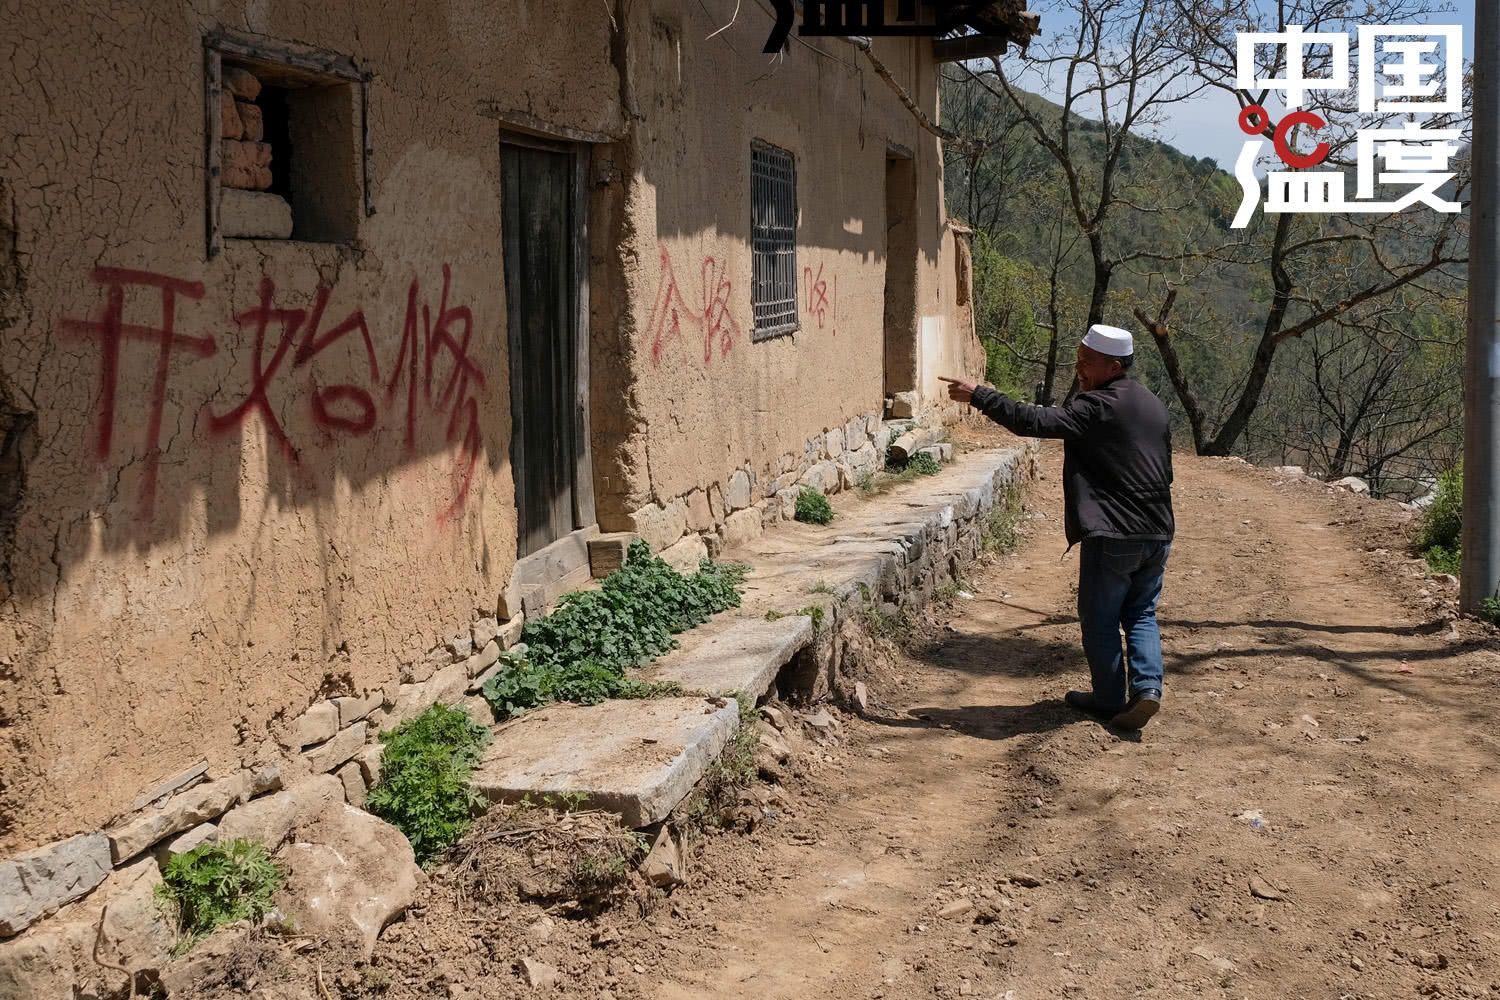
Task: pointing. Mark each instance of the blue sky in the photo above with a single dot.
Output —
(1205, 126)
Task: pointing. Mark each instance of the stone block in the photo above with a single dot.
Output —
(638, 758)
(716, 503)
(246, 212)
(326, 756)
(231, 126)
(855, 434)
(479, 681)
(607, 552)
(37, 883)
(785, 481)
(430, 663)
(447, 686)
(478, 709)
(737, 491)
(510, 631)
(353, 779)
(183, 779)
(268, 819)
(349, 874)
(833, 442)
(484, 659)
(265, 778)
(318, 723)
(241, 83)
(460, 647)
(771, 513)
(787, 502)
(181, 812)
(699, 516)
(864, 461)
(52, 960)
(660, 525)
(252, 120)
(903, 406)
(184, 842)
(482, 630)
(685, 555)
(714, 543)
(744, 657)
(742, 526)
(351, 709)
(823, 477)
(368, 760)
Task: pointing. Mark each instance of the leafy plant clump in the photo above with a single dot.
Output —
(581, 651)
(813, 507)
(216, 884)
(1489, 609)
(1441, 529)
(923, 464)
(424, 779)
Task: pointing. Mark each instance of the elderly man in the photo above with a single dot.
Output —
(1117, 476)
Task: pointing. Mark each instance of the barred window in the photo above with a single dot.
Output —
(773, 240)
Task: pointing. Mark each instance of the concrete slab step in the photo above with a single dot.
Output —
(636, 758)
(746, 656)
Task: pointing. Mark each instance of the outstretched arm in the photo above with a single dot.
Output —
(1068, 422)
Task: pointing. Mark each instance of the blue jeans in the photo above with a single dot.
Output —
(1119, 583)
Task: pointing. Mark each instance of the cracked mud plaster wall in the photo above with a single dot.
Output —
(710, 399)
(166, 603)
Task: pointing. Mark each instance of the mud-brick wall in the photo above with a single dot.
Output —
(700, 406)
(210, 512)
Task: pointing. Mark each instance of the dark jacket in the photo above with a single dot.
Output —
(1117, 457)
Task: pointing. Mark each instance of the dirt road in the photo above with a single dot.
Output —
(1307, 686)
(1312, 815)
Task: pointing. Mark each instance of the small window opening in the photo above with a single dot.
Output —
(773, 211)
(288, 144)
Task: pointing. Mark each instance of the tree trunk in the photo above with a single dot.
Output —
(1229, 434)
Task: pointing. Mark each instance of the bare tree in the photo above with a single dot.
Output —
(1321, 270)
(1120, 66)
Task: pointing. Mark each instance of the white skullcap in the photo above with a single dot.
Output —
(1110, 340)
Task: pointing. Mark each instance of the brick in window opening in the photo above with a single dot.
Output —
(289, 153)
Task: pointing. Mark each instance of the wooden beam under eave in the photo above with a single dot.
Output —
(946, 50)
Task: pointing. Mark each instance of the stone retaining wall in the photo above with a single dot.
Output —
(706, 520)
(911, 561)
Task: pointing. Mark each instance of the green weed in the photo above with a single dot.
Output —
(887, 626)
(821, 587)
(813, 507)
(1441, 528)
(581, 651)
(216, 884)
(735, 769)
(1000, 531)
(923, 464)
(424, 779)
(1489, 609)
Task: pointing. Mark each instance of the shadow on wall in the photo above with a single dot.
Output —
(188, 397)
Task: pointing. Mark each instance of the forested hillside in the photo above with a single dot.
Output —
(1333, 343)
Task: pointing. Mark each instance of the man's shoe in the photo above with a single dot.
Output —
(1139, 712)
(1085, 702)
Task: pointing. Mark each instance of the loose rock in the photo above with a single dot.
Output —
(537, 974)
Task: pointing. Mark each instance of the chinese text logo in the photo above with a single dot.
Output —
(1402, 71)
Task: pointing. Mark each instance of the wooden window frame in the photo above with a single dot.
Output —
(290, 59)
